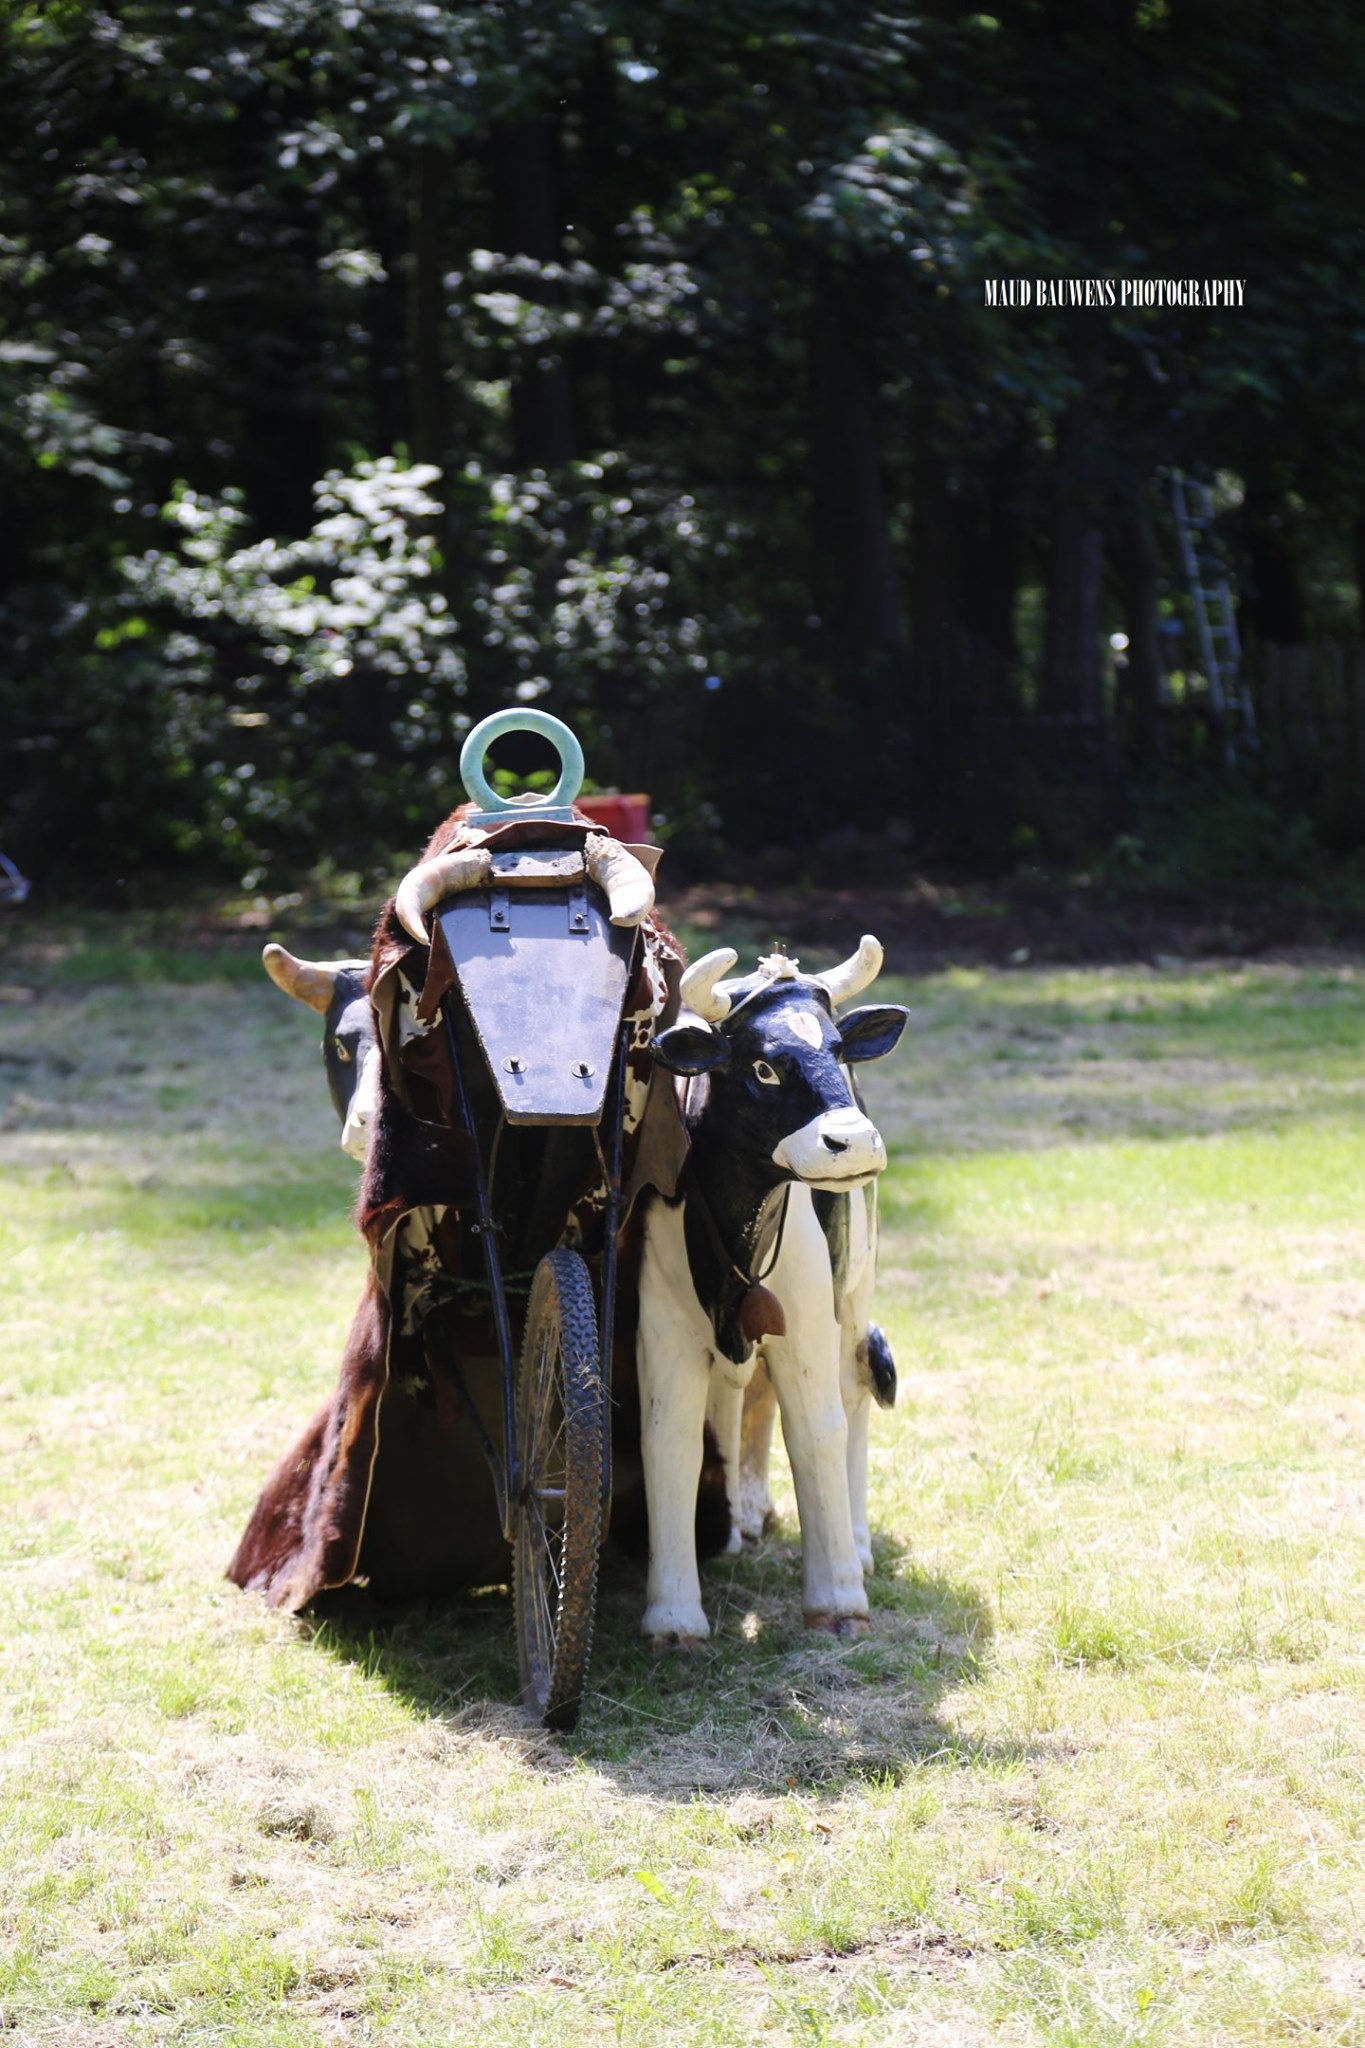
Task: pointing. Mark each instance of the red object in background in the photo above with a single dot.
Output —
(625, 817)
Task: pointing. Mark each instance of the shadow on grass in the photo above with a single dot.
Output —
(767, 1706)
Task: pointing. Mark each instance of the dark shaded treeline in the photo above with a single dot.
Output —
(737, 470)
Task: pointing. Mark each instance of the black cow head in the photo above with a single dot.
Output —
(777, 1057)
(350, 1050)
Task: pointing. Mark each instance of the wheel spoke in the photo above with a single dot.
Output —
(549, 1612)
(544, 1618)
(546, 1573)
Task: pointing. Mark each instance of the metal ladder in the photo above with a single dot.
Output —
(1215, 623)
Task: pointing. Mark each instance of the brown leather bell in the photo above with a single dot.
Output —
(761, 1314)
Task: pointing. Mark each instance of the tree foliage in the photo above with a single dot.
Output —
(365, 367)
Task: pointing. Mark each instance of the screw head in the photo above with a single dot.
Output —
(514, 1064)
(582, 1070)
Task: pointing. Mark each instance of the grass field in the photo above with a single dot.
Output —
(1097, 1776)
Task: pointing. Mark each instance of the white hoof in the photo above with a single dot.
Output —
(675, 1627)
(735, 1541)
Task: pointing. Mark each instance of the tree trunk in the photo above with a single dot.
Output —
(856, 565)
(1272, 598)
(936, 542)
(1071, 658)
(952, 672)
(854, 576)
(284, 447)
(385, 314)
(995, 572)
(427, 202)
(526, 213)
(1140, 569)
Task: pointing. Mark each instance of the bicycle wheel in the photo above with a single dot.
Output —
(561, 1429)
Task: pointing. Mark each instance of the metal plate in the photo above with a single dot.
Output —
(546, 1004)
(535, 869)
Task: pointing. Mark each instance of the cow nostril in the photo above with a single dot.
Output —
(833, 1144)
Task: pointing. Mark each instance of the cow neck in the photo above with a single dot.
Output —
(732, 1223)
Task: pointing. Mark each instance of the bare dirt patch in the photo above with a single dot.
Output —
(929, 924)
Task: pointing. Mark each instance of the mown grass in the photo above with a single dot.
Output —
(1098, 1775)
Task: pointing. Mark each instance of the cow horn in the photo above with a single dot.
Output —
(698, 988)
(627, 881)
(852, 976)
(427, 883)
(308, 981)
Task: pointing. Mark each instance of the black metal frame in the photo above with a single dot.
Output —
(611, 1224)
(505, 1465)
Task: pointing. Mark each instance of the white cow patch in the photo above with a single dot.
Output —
(364, 1105)
(807, 1028)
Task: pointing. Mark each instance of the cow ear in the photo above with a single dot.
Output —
(690, 1049)
(872, 1032)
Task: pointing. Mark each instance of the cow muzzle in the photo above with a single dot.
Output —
(839, 1149)
(363, 1106)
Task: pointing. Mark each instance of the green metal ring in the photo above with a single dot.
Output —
(489, 729)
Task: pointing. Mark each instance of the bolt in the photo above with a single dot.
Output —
(514, 1064)
(583, 1071)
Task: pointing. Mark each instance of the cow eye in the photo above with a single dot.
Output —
(344, 1054)
(766, 1074)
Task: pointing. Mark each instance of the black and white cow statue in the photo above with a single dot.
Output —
(339, 991)
(738, 1271)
